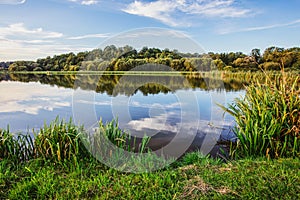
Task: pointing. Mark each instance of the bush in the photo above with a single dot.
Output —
(270, 66)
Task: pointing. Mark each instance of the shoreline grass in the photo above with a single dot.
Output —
(201, 178)
(194, 176)
(268, 119)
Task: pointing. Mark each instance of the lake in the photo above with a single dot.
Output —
(168, 108)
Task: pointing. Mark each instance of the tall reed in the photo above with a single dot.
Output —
(16, 147)
(62, 141)
(59, 141)
(268, 119)
(119, 138)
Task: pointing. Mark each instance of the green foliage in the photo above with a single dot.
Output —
(219, 64)
(113, 58)
(255, 53)
(60, 141)
(246, 63)
(16, 147)
(270, 66)
(268, 119)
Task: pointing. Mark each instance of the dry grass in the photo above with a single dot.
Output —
(197, 187)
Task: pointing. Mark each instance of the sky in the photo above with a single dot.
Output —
(31, 29)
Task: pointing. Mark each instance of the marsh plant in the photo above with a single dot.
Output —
(61, 142)
(16, 147)
(268, 119)
(124, 151)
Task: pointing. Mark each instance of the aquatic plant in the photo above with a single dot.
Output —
(17, 147)
(268, 119)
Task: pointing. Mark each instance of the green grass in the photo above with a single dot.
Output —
(56, 175)
(59, 141)
(119, 150)
(201, 178)
(62, 141)
(268, 119)
(16, 147)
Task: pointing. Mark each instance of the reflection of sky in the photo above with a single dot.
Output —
(28, 105)
(169, 116)
(31, 98)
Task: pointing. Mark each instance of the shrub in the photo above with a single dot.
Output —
(270, 66)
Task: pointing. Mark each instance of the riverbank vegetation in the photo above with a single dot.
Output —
(268, 119)
(265, 160)
(53, 172)
(113, 58)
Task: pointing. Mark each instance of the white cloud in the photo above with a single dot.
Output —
(258, 28)
(99, 35)
(155, 105)
(95, 103)
(85, 2)
(11, 50)
(89, 2)
(167, 11)
(157, 123)
(21, 43)
(272, 26)
(160, 10)
(12, 2)
(37, 41)
(18, 29)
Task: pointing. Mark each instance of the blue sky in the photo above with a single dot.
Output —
(30, 29)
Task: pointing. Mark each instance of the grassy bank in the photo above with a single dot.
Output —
(48, 171)
(193, 177)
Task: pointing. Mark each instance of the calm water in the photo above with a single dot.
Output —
(157, 106)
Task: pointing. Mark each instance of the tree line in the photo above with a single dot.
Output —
(113, 58)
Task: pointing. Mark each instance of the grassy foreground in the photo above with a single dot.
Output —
(42, 169)
(48, 171)
(193, 177)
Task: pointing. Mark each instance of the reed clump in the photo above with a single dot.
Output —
(16, 147)
(62, 142)
(123, 139)
(268, 119)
